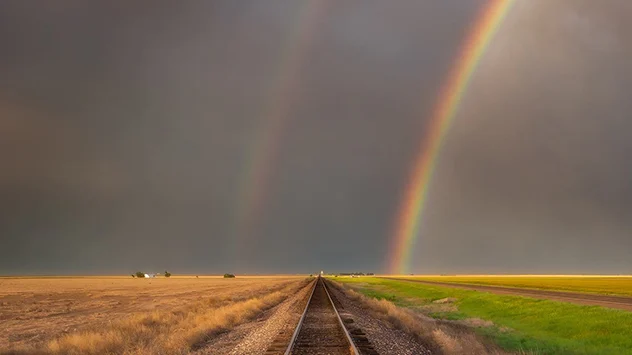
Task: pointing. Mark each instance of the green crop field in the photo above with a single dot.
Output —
(515, 323)
(591, 284)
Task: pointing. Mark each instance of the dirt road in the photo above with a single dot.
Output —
(618, 302)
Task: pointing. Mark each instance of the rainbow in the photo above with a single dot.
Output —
(416, 193)
(274, 117)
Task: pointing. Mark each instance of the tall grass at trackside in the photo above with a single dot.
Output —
(519, 323)
(607, 285)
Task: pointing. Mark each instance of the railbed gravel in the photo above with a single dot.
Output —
(254, 338)
(386, 339)
(321, 331)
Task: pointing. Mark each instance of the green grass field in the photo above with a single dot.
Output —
(591, 284)
(519, 323)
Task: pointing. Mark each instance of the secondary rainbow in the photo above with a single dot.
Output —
(414, 200)
(275, 114)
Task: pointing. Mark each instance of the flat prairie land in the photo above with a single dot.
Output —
(515, 323)
(605, 285)
(126, 315)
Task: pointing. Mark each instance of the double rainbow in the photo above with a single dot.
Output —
(416, 193)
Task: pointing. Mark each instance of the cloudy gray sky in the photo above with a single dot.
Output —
(128, 131)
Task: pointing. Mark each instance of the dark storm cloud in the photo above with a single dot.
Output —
(125, 130)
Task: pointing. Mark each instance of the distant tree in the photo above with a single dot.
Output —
(133, 276)
(167, 273)
(140, 275)
(229, 276)
(311, 275)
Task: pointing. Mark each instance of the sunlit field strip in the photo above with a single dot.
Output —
(185, 276)
(598, 284)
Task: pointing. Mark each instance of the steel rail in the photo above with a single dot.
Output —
(300, 321)
(353, 347)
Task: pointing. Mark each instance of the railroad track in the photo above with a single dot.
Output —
(321, 330)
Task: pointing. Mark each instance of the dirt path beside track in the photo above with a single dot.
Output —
(618, 302)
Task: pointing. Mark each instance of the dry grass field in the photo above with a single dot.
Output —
(100, 315)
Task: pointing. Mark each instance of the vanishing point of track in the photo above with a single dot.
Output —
(320, 330)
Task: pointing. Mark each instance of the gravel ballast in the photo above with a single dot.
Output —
(384, 338)
(255, 337)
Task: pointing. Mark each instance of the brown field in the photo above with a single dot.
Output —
(125, 315)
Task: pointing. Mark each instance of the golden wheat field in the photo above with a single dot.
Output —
(96, 315)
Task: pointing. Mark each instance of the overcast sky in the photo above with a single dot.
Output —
(128, 132)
